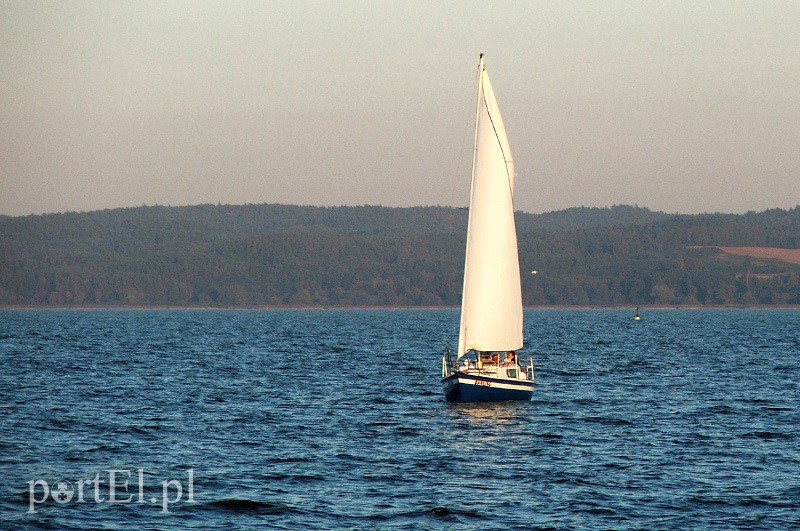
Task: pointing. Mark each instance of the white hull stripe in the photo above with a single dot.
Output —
(497, 385)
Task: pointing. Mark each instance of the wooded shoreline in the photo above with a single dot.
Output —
(257, 256)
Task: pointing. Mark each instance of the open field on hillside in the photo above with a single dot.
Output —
(790, 256)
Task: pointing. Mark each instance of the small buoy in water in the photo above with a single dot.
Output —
(636, 317)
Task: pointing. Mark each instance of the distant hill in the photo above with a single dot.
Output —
(254, 255)
(588, 217)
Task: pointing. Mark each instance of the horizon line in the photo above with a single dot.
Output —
(367, 205)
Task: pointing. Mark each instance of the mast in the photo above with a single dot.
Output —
(481, 67)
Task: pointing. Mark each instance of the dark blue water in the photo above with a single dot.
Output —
(331, 419)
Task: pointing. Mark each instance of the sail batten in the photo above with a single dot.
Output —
(491, 307)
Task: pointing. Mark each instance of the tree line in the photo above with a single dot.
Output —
(275, 255)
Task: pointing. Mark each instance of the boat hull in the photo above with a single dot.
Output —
(461, 387)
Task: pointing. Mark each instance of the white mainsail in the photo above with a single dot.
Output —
(491, 305)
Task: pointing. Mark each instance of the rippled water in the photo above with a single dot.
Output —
(335, 418)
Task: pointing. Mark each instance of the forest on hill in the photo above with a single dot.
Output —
(276, 255)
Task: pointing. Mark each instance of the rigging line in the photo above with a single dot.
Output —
(499, 142)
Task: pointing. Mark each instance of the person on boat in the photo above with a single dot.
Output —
(495, 358)
(510, 358)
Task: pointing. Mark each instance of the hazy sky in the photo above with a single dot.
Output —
(678, 106)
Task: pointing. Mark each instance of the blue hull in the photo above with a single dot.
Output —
(484, 391)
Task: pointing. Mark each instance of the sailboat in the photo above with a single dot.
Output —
(486, 367)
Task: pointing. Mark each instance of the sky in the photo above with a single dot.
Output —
(676, 106)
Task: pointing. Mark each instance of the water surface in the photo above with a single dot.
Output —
(335, 418)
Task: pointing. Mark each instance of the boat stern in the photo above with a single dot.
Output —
(464, 387)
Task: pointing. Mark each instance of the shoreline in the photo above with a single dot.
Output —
(14, 307)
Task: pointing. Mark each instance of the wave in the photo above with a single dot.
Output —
(244, 505)
(768, 435)
(551, 436)
(607, 420)
(558, 372)
(290, 459)
(300, 478)
(437, 513)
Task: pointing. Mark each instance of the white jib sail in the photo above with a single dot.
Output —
(491, 305)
